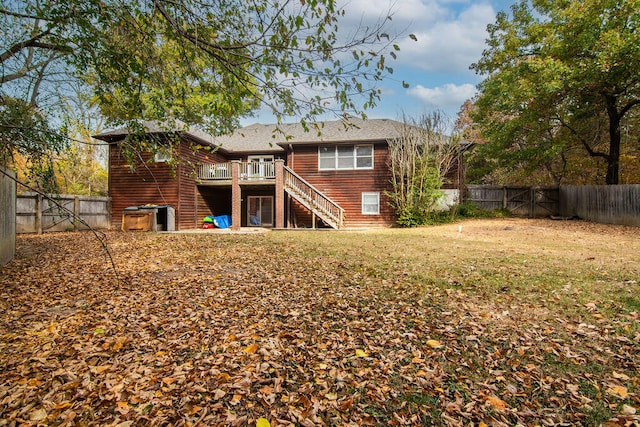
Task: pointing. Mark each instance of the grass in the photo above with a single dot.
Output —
(528, 314)
(490, 262)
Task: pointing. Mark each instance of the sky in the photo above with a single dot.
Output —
(451, 35)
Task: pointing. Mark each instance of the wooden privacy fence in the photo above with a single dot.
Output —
(609, 204)
(7, 216)
(36, 214)
(532, 202)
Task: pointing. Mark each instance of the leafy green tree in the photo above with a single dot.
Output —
(27, 139)
(79, 172)
(419, 159)
(562, 76)
(202, 62)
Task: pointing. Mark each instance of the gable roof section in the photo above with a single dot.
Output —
(259, 138)
(158, 128)
(357, 130)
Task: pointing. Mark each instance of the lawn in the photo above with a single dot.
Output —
(485, 322)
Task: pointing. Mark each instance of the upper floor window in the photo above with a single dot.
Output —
(345, 157)
(162, 155)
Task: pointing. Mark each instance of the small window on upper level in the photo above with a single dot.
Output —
(334, 157)
(163, 155)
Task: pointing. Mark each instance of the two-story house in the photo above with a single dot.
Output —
(335, 176)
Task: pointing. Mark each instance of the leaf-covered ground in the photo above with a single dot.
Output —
(500, 323)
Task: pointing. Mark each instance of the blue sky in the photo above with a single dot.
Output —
(451, 36)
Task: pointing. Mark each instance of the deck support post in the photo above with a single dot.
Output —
(279, 169)
(236, 195)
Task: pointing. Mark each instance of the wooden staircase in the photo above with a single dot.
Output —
(312, 199)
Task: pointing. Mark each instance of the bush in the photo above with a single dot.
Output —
(471, 210)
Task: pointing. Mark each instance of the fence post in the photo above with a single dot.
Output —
(532, 203)
(504, 197)
(38, 224)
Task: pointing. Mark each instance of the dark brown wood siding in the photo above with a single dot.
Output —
(345, 187)
(213, 201)
(146, 183)
(153, 183)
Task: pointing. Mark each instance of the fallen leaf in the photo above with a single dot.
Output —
(346, 404)
(496, 402)
(99, 369)
(123, 407)
(218, 394)
(434, 343)
(194, 409)
(63, 405)
(628, 410)
(251, 349)
(263, 422)
(38, 415)
(168, 380)
(620, 376)
(236, 399)
(361, 353)
(618, 391)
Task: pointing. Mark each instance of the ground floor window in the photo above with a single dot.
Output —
(371, 203)
(260, 211)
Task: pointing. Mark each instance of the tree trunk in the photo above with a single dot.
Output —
(613, 161)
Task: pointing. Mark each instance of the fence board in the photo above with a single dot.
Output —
(609, 204)
(35, 214)
(530, 202)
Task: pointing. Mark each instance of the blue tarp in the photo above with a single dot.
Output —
(222, 221)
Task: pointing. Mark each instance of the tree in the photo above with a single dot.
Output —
(561, 75)
(27, 139)
(419, 160)
(206, 63)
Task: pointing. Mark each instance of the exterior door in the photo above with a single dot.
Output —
(261, 166)
(260, 211)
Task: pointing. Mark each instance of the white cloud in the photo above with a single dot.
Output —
(450, 44)
(446, 97)
(403, 11)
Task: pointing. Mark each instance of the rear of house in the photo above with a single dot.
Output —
(263, 176)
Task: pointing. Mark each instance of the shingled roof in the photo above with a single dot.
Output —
(272, 138)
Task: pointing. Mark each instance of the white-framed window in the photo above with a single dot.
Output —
(370, 203)
(163, 155)
(332, 157)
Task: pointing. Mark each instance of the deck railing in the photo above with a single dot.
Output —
(328, 210)
(313, 199)
(248, 171)
(258, 170)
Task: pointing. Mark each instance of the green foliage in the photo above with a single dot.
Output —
(203, 63)
(206, 64)
(423, 194)
(26, 139)
(419, 159)
(79, 172)
(471, 210)
(561, 78)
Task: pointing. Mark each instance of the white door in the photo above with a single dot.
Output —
(260, 211)
(261, 166)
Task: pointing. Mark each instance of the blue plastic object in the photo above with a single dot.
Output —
(222, 221)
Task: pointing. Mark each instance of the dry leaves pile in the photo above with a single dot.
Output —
(290, 329)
